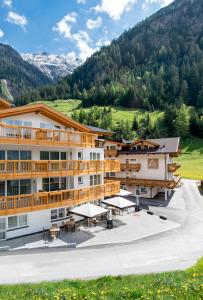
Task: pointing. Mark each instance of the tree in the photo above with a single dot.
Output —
(182, 123)
(135, 125)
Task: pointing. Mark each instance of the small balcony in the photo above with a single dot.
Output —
(36, 136)
(111, 153)
(15, 169)
(46, 200)
(130, 167)
(173, 167)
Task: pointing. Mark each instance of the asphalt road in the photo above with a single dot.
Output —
(173, 250)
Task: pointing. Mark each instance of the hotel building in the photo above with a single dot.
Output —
(147, 166)
(48, 164)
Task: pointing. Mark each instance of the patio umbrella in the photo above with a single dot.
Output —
(89, 210)
(119, 202)
(123, 193)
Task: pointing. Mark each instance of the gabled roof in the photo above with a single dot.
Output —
(115, 142)
(146, 142)
(165, 145)
(100, 130)
(4, 103)
(46, 111)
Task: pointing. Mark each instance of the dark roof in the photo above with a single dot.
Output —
(167, 145)
(100, 130)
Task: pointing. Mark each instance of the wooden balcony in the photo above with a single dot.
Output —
(130, 167)
(173, 167)
(110, 153)
(15, 169)
(171, 184)
(44, 137)
(46, 200)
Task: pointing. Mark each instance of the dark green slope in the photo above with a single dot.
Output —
(18, 73)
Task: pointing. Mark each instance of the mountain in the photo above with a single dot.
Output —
(53, 66)
(157, 62)
(16, 74)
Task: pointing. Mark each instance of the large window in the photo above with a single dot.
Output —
(54, 184)
(16, 155)
(2, 155)
(95, 180)
(2, 188)
(18, 187)
(94, 156)
(53, 155)
(17, 221)
(18, 122)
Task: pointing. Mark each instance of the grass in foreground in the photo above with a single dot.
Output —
(192, 148)
(173, 285)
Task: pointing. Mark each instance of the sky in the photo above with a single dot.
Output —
(76, 27)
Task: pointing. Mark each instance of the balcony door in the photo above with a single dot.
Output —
(2, 229)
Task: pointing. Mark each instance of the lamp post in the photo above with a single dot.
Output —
(137, 206)
(110, 220)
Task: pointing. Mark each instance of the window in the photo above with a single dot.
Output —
(79, 155)
(63, 155)
(13, 155)
(25, 155)
(54, 184)
(143, 190)
(153, 163)
(112, 174)
(46, 125)
(2, 155)
(80, 180)
(44, 155)
(17, 187)
(94, 156)
(98, 156)
(60, 213)
(2, 188)
(54, 155)
(17, 221)
(95, 180)
(18, 122)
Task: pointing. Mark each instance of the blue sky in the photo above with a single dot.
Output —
(69, 26)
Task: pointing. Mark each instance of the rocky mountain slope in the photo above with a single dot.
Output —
(53, 66)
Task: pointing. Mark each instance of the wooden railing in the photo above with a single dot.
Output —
(46, 200)
(171, 184)
(10, 169)
(28, 135)
(110, 153)
(130, 167)
(173, 167)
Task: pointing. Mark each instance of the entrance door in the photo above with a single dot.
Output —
(2, 229)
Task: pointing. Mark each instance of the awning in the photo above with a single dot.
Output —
(89, 210)
(119, 202)
(124, 193)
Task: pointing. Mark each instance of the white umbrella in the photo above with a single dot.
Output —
(123, 193)
(89, 210)
(119, 202)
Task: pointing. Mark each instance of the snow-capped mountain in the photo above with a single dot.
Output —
(54, 66)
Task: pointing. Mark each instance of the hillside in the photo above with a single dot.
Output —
(158, 61)
(192, 147)
(17, 74)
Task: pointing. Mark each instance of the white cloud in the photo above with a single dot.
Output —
(92, 24)
(82, 40)
(162, 3)
(114, 8)
(1, 33)
(81, 1)
(17, 19)
(8, 3)
(64, 25)
(102, 42)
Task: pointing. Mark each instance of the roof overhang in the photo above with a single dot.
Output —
(47, 112)
(4, 104)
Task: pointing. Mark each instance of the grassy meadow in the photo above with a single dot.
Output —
(181, 285)
(192, 148)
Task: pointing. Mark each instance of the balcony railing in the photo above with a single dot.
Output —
(173, 167)
(171, 184)
(130, 167)
(36, 136)
(45, 200)
(110, 153)
(10, 169)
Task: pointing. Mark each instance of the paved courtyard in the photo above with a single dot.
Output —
(173, 249)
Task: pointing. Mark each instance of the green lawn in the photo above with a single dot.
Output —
(192, 158)
(182, 285)
(192, 148)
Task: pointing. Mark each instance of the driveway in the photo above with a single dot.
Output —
(172, 250)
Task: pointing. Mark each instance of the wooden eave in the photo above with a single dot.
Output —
(142, 141)
(114, 142)
(46, 111)
(4, 104)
